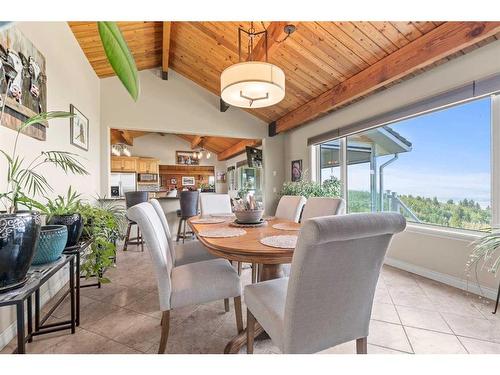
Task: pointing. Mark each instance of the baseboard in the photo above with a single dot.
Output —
(469, 286)
(55, 285)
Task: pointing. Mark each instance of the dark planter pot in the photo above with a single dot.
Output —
(73, 222)
(19, 234)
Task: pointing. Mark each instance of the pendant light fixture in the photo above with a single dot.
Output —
(252, 84)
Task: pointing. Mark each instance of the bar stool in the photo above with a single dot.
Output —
(189, 208)
(131, 199)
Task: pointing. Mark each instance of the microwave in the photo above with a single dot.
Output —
(147, 177)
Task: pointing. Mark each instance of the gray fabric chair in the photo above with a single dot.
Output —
(189, 207)
(322, 206)
(131, 199)
(189, 284)
(328, 298)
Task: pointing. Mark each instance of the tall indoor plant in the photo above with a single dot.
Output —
(20, 230)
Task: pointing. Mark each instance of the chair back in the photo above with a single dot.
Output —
(212, 203)
(135, 197)
(154, 236)
(334, 272)
(290, 207)
(322, 206)
(163, 218)
(189, 203)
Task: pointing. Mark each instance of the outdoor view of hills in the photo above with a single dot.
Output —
(466, 213)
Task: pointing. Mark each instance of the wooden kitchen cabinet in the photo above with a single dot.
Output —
(147, 165)
(123, 164)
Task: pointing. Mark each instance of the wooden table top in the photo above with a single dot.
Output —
(247, 248)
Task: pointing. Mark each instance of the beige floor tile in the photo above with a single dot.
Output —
(143, 332)
(388, 335)
(430, 342)
(425, 319)
(474, 346)
(115, 324)
(410, 297)
(482, 329)
(385, 312)
(382, 296)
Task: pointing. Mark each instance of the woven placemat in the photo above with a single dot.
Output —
(240, 225)
(222, 232)
(223, 214)
(282, 242)
(208, 220)
(285, 226)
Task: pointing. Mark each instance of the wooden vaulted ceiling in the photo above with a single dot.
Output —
(327, 64)
(224, 147)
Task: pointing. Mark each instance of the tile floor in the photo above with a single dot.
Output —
(411, 314)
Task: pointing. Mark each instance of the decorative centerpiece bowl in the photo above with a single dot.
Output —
(51, 244)
(249, 216)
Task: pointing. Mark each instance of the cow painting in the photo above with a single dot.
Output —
(22, 80)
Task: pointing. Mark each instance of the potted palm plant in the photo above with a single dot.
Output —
(20, 230)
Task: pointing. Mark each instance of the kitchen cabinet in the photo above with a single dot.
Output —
(147, 165)
(123, 164)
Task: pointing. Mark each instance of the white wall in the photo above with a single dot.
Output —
(163, 147)
(176, 106)
(422, 250)
(70, 79)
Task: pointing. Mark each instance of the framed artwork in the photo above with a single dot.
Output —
(187, 157)
(188, 181)
(23, 82)
(296, 170)
(173, 181)
(221, 177)
(79, 129)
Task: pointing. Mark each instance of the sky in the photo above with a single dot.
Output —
(450, 157)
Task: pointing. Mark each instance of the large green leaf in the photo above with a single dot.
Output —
(119, 56)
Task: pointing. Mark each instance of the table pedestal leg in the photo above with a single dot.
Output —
(268, 272)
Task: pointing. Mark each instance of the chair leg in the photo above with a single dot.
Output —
(250, 331)
(179, 230)
(238, 313)
(254, 273)
(127, 236)
(165, 326)
(362, 346)
(226, 304)
(184, 232)
(141, 240)
(239, 268)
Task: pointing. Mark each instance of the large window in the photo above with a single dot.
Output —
(434, 168)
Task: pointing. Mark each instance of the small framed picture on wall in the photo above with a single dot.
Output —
(188, 181)
(79, 128)
(296, 170)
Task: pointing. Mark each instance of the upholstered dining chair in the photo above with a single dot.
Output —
(328, 298)
(213, 203)
(189, 284)
(322, 206)
(290, 207)
(189, 252)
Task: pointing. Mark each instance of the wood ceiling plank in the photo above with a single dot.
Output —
(196, 141)
(408, 30)
(391, 33)
(275, 34)
(349, 42)
(424, 27)
(350, 29)
(376, 36)
(443, 41)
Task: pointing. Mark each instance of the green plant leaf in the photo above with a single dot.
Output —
(119, 56)
(44, 116)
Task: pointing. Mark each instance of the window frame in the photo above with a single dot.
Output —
(429, 228)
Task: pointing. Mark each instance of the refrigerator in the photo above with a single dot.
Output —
(122, 183)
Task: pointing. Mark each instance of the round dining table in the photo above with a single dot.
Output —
(248, 248)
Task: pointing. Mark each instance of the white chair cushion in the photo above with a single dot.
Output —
(190, 252)
(266, 301)
(322, 206)
(290, 207)
(203, 282)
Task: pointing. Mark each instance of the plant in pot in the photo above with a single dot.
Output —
(329, 188)
(63, 210)
(20, 230)
(104, 224)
